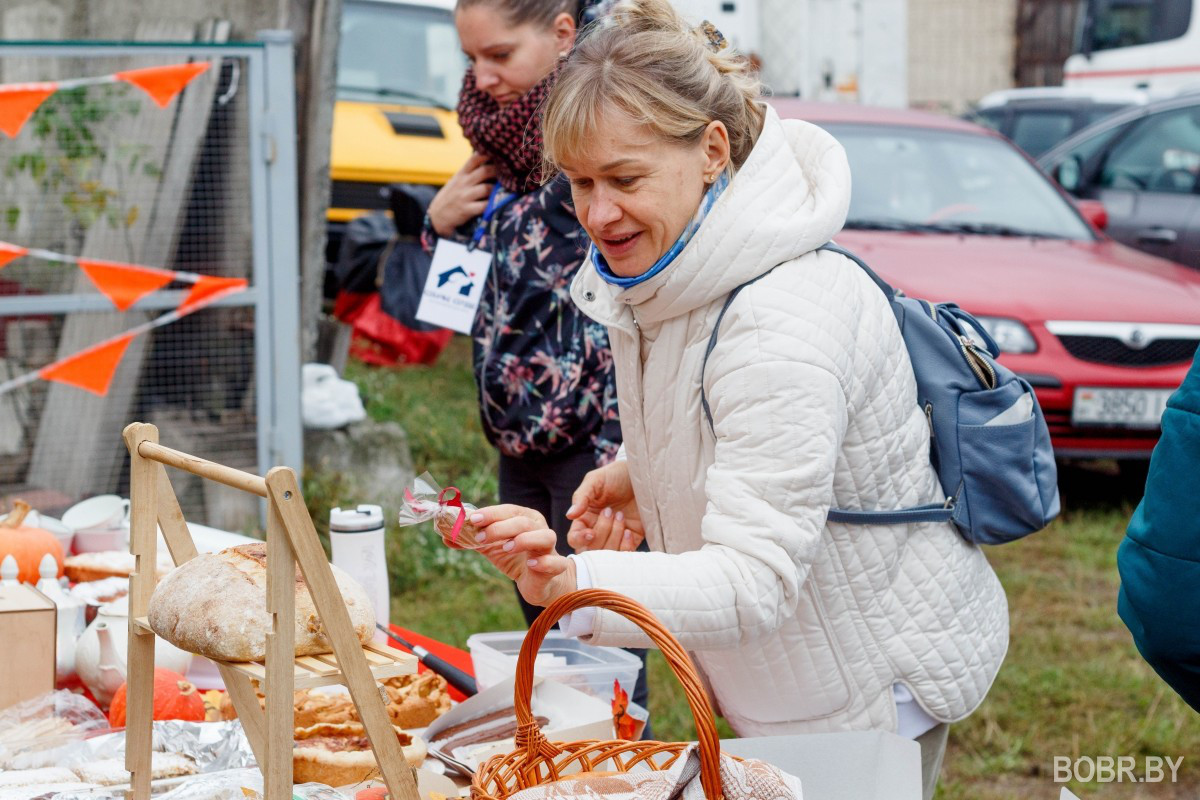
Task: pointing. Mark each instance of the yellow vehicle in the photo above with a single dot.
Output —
(399, 72)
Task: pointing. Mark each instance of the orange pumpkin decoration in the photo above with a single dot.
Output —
(174, 698)
(27, 545)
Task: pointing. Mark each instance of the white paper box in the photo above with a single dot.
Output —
(859, 765)
(572, 716)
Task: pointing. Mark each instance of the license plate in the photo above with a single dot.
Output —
(1128, 408)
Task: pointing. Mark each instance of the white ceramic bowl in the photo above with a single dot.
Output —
(95, 541)
(65, 535)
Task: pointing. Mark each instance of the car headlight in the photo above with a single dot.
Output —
(1011, 336)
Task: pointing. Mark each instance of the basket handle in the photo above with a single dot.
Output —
(531, 739)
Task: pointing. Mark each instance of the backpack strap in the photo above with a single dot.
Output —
(712, 343)
(934, 512)
(883, 285)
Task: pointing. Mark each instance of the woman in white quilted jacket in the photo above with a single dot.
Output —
(689, 187)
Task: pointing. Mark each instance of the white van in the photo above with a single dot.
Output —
(1137, 44)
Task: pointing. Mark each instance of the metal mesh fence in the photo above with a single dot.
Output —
(102, 172)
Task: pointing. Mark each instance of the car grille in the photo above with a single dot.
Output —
(1107, 350)
(359, 194)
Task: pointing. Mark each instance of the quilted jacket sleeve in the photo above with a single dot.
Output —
(779, 418)
(1159, 560)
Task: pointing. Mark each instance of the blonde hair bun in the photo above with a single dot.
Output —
(645, 60)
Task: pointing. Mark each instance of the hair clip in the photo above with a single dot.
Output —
(716, 40)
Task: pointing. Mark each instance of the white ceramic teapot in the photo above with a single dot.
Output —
(101, 651)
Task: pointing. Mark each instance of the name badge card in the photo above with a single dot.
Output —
(454, 286)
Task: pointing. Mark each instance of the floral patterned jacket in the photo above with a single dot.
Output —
(544, 370)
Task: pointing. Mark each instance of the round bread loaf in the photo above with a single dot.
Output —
(216, 605)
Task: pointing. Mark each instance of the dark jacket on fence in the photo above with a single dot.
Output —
(1159, 560)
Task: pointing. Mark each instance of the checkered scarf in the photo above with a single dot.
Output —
(511, 136)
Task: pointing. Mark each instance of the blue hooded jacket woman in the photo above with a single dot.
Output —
(1159, 560)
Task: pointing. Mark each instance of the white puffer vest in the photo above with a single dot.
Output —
(798, 625)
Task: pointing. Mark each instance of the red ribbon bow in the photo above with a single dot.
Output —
(455, 501)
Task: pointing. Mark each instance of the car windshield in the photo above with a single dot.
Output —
(948, 182)
(394, 52)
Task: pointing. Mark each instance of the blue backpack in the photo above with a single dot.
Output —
(988, 438)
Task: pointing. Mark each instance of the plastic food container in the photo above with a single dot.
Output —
(563, 659)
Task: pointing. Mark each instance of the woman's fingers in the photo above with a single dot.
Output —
(483, 517)
(588, 495)
(535, 543)
(580, 536)
(496, 523)
(631, 540)
(602, 529)
(547, 565)
(473, 209)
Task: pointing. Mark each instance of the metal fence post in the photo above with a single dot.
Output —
(282, 238)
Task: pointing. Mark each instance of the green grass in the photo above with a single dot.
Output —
(1072, 684)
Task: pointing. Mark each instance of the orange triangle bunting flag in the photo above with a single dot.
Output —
(208, 290)
(125, 284)
(163, 83)
(18, 101)
(10, 252)
(91, 369)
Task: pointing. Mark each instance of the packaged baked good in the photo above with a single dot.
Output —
(425, 501)
(494, 726)
(99, 592)
(414, 701)
(108, 564)
(340, 754)
(44, 725)
(111, 771)
(30, 777)
(216, 605)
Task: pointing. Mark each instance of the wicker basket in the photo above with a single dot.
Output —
(538, 761)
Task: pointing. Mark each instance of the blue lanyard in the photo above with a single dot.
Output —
(493, 208)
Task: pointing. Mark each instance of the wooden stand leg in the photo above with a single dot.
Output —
(285, 497)
(143, 539)
(249, 712)
(281, 657)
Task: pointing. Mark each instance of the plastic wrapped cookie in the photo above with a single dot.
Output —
(425, 501)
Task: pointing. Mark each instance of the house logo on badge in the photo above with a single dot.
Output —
(458, 278)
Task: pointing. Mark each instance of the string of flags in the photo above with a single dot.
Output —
(19, 101)
(124, 285)
(93, 368)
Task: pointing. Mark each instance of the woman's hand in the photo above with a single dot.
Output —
(464, 197)
(604, 513)
(520, 544)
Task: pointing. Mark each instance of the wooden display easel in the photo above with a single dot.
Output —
(291, 540)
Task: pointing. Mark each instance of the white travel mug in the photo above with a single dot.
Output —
(356, 537)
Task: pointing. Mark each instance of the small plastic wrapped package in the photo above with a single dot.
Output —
(33, 730)
(425, 501)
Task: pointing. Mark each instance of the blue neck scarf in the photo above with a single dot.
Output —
(706, 204)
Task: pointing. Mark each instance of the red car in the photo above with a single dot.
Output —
(947, 210)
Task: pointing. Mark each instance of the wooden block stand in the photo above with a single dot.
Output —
(291, 540)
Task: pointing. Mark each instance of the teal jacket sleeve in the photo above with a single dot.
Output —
(1159, 559)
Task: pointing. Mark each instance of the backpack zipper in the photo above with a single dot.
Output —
(929, 420)
(978, 364)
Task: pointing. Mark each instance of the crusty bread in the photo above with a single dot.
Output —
(216, 605)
